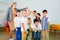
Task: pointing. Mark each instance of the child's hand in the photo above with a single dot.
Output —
(16, 29)
(26, 7)
(32, 30)
(25, 32)
(48, 30)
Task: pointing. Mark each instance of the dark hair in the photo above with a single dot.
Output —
(35, 11)
(29, 19)
(44, 11)
(35, 20)
(39, 14)
(18, 11)
(39, 18)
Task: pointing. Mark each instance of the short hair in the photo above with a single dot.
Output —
(39, 14)
(34, 11)
(35, 20)
(17, 12)
(44, 10)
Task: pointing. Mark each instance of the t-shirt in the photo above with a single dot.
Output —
(37, 28)
(32, 17)
(24, 20)
(17, 22)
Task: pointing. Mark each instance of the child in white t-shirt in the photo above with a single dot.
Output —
(37, 29)
(24, 25)
(17, 24)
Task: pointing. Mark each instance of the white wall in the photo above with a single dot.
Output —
(53, 7)
(4, 4)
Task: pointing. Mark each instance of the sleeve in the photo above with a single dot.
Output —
(9, 14)
(48, 19)
(40, 27)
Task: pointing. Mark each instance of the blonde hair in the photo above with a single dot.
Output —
(13, 4)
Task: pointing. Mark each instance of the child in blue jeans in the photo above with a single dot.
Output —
(37, 30)
(17, 24)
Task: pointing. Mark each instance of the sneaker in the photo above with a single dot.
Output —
(11, 39)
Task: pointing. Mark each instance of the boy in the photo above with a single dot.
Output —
(17, 24)
(29, 35)
(24, 24)
(37, 30)
(45, 26)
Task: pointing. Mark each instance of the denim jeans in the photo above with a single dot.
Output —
(37, 35)
(18, 33)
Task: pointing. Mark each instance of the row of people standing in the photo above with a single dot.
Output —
(28, 24)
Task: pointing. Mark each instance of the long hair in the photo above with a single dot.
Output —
(13, 4)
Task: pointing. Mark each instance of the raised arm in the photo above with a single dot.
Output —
(22, 9)
(35, 13)
(28, 12)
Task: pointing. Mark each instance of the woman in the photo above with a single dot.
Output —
(11, 15)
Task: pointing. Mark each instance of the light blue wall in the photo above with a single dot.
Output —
(53, 7)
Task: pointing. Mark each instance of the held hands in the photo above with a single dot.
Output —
(25, 31)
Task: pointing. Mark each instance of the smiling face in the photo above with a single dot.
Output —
(18, 14)
(14, 6)
(44, 14)
(24, 13)
(36, 23)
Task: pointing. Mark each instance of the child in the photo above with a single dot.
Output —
(29, 35)
(17, 24)
(38, 17)
(37, 30)
(32, 16)
(45, 26)
(24, 24)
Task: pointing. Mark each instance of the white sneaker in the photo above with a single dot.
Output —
(11, 39)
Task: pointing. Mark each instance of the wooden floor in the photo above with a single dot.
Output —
(53, 35)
